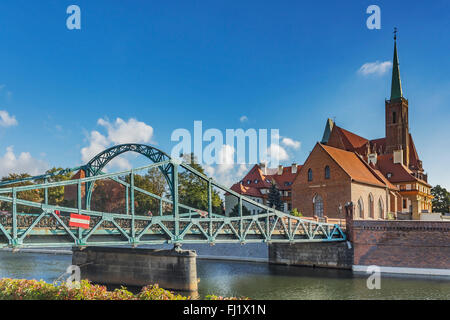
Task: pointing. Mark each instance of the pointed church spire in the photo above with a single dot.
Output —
(328, 128)
(396, 88)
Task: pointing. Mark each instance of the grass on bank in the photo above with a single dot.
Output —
(21, 289)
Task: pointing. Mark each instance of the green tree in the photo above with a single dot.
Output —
(30, 195)
(153, 181)
(274, 197)
(235, 211)
(55, 194)
(296, 213)
(441, 200)
(193, 190)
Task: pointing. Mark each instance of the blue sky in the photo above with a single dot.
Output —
(286, 64)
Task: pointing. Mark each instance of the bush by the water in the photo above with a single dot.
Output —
(20, 289)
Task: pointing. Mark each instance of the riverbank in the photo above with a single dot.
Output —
(23, 289)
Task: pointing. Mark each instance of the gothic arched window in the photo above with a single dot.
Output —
(318, 206)
(361, 208)
(380, 209)
(310, 175)
(327, 172)
(371, 205)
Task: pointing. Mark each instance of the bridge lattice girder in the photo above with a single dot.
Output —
(183, 224)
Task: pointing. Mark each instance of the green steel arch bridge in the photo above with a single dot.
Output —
(50, 225)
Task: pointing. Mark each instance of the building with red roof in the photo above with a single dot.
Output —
(393, 158)
(382, 177)
(257, 182)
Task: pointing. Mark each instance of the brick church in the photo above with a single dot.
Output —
(381, 177)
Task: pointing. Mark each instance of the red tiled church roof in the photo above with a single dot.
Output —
(351, 140)
(353, 165)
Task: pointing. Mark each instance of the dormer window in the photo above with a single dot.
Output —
(256, 181)
(249, 181)
(389, 175)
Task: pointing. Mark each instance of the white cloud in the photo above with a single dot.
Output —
(117, 132)
(132, 131)
(226, 158)
(275, 154)
(23, 163)
(6, 120)
(97, 143)
(243, 119)
(377, 67)
(227, 172)
(291, 143)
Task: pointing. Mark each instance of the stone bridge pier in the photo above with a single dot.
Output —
(171, 269)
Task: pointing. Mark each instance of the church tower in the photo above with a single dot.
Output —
(397, 127)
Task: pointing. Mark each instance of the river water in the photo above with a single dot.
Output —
(255, 280)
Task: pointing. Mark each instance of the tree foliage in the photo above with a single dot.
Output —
(55, 194)
(296, 213)
(274, 197)
(193, 190)
(29, 195)
(235, 211)
(441, 200)
(153, 181)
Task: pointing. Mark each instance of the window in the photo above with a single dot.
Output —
(249, 181)
(361, 208)
(404, 203)
(256, 181)
(310, 175)
(371, 211)
(327, 172)
(318, 206)
(394, 117)
(380, 209)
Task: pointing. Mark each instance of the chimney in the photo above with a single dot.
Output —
(294, 168)
(262, 165)
(280, 170)
(398, 156)
(372, 158)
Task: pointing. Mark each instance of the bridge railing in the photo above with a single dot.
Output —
(51, 224)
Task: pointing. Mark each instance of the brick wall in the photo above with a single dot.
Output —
(361, 192)
(314, 254)
(334, 191)
(411, 244)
